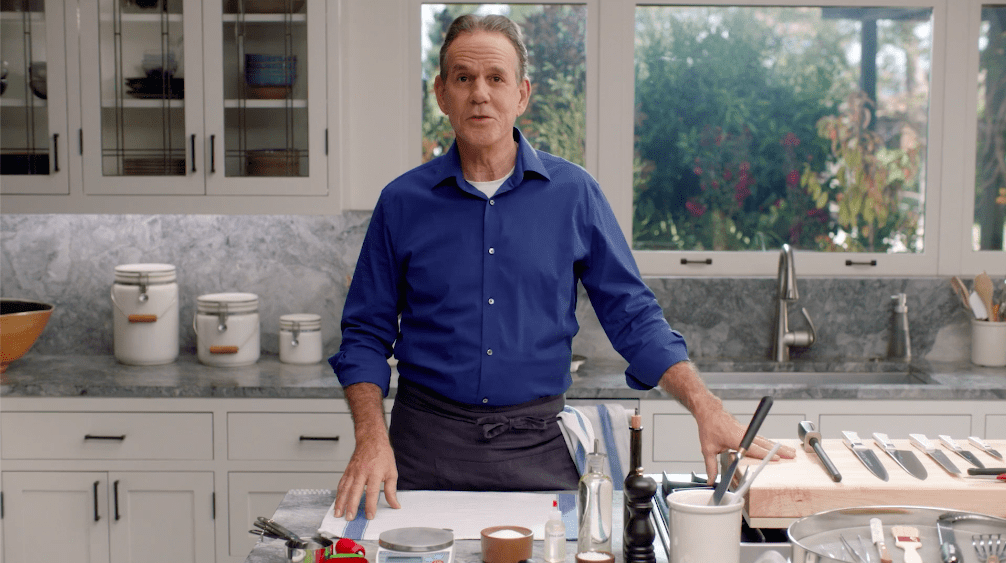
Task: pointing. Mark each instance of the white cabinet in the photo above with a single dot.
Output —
(35, 128)
(108, 517)
(182, 97)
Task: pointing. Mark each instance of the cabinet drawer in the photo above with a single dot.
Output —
(290, 436)
(106, 435)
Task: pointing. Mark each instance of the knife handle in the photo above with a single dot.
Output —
(883, 441)
(851, 439)
(920, 441)
(759, 417)
(978, 442)
(986, 470)
(949, 443)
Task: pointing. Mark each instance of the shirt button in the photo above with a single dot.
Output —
(489, 352)
(484, 401)
(492, 250)
(491, 300)
(492, 202)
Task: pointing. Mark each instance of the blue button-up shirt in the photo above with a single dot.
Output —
(486, 286)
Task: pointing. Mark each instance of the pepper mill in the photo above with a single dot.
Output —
(638, 535)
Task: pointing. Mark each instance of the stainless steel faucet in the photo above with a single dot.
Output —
(783, 339)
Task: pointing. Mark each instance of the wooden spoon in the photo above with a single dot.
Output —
(984, 289)
(961, 290)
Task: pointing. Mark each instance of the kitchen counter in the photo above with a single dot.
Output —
(102, 376)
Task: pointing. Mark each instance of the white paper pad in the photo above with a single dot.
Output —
(466, 513)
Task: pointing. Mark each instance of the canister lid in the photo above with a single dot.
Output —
(230, 303)
(416, 539)
(300, 321)
(147, 274)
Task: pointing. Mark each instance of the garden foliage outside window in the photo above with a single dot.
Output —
(757, 126)
(990, 170)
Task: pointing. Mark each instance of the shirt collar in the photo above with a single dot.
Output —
(527, 163)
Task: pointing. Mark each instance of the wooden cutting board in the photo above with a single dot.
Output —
(789, 489)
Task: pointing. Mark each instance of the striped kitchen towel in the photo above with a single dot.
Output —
(609, 424)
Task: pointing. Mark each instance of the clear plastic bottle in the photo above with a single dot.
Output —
(593, 506)
(555, 536)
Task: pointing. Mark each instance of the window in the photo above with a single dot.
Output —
(757, 126)
(990, 165)
(555, 34)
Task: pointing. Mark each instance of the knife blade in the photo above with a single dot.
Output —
(904, 458)
(951, 445)
(979, 443)
(921, 442)
(759, 416)
(865, 455)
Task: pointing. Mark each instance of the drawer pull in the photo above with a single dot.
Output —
(93, 437)
(223, 349)
(96, 515)
(115, 491)
(319, 438)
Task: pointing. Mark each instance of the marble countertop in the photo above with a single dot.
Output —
(102, 376)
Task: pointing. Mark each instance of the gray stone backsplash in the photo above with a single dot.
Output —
(303, 264)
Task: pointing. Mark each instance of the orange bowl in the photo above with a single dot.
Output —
(21, 322)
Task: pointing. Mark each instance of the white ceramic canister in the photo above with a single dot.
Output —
(300, 338)
(145, 314)
(227, 329)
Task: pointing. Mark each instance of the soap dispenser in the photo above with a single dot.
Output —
(901, 343)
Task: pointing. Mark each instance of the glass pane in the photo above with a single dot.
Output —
(556, 38)
(24, 115)
(265, 87)
(142, 76)
(757, 126)
(990, 171)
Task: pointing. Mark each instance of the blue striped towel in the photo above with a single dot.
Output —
(609, 423)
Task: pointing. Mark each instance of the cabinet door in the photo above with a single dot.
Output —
(141, 77)
(161, 517)
(258, 494)
(266, 97)
(33, 111)
(55, 516)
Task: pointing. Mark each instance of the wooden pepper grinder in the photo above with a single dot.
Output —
(637, 538)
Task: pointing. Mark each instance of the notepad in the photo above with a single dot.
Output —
(466, 513)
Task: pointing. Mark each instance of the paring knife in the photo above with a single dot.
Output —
(951, 445)
(920, 441)
(864, 454)
(979, 443)
(904, 458)
(759, 416)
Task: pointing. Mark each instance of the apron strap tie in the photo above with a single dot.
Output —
(497, 424)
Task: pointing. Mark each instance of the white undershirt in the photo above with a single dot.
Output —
(489, 188)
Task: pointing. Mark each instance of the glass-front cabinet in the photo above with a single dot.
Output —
(183, 97)
(33, 110)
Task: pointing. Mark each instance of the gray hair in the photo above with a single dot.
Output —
(470, 23)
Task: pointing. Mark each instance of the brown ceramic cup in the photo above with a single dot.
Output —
(496, 548)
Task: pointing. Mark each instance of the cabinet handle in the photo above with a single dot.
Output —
(851, 263)
(93, 437)
(96, 515)
(319, 438)
(55, 151)
(213, 154)
(193, 152)
(706, 261)
(115, 495)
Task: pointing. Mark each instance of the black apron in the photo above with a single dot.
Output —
(444, 445)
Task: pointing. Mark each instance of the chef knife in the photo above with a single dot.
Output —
(759, 416)
(920, 441)
(904, 458)
(951, 445)
(864, 454)
(979, 443)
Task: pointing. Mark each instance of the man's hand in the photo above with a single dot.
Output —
(373, 461)
(719, 431)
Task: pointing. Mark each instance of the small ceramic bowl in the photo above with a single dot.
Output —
(506, 544)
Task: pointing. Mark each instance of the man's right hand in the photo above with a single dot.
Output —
(373, 461)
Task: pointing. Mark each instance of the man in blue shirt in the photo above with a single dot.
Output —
(468, 274)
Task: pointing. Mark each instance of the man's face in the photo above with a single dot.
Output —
(481, 95)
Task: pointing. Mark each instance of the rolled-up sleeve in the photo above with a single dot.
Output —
(626, 307)
(370, 316)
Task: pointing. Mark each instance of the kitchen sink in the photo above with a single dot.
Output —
(816, 378)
